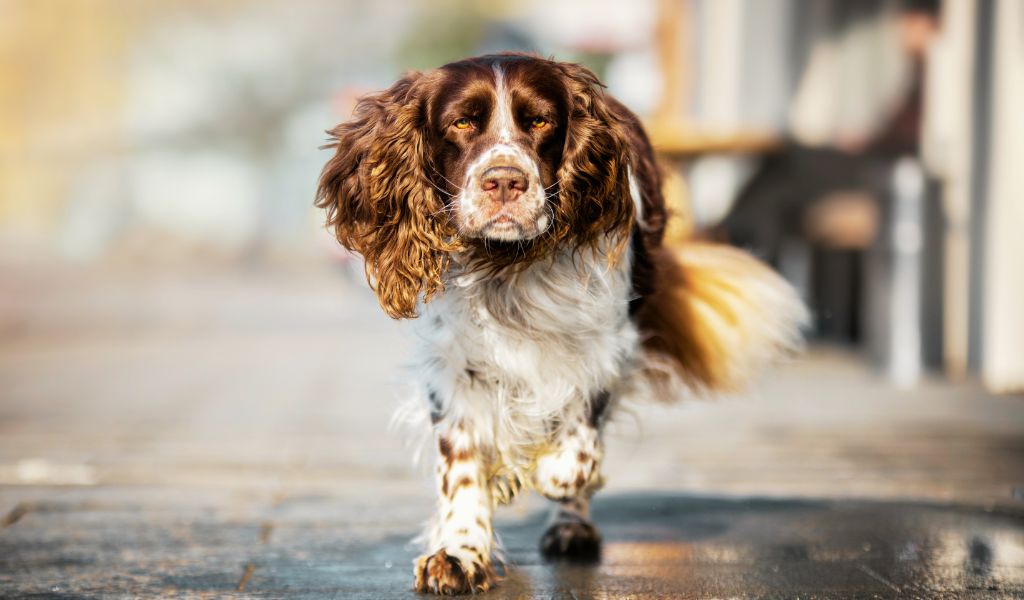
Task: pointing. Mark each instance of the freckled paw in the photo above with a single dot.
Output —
(440, 573)
(571, 540)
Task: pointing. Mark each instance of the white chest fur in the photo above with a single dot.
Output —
(516, 353)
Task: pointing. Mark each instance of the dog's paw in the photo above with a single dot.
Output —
(575, 540)
(504, 488)
(564, 474)
(440, 573)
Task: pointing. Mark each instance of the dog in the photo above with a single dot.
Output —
(515, 209)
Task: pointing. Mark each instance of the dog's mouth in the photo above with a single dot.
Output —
(505, 228)
(482, 219)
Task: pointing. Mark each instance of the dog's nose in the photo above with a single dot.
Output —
(504, 184)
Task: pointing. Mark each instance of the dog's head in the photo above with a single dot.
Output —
(502, 158)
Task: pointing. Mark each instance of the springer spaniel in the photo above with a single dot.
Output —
(516, 209)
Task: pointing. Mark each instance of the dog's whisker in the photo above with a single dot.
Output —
(448, 181)
(442, 210)
(442, 190)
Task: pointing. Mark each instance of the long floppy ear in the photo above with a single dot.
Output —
(594, 174)
(378, 200)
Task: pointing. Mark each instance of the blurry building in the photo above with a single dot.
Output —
(881, 200)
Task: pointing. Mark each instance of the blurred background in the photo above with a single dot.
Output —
(868, 150)
(191, 369)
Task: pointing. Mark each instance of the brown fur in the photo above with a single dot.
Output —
(594, 197)
(718, 314)
(445, 448)
(671, 328)
(378, 201)
(385, 195)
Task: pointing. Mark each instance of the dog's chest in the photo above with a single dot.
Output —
(519, 352)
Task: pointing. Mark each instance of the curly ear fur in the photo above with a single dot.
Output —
(594, 175)
(378, 201)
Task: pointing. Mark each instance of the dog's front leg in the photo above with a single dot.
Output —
(570, 474)
(459, 558)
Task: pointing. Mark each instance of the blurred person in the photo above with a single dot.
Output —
(828, 183)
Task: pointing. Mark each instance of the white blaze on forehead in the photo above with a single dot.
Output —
(475, 206)
(503, 112)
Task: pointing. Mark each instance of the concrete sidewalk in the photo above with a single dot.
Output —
(656, 546)
(214, 432)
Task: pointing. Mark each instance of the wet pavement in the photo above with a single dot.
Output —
(224, 433)
(670, 546)
(656, 546)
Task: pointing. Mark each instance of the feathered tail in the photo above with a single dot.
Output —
(718, 316)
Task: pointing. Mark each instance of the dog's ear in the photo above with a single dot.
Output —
(378, 199)
(594, 196)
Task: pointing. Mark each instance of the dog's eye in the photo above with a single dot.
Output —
(463, 123)
(539, 123)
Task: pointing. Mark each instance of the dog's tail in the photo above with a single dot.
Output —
(717, 317)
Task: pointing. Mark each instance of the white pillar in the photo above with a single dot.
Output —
(1002, 335)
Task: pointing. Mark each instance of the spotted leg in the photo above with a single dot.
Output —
(459, 558)
(570, 474)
